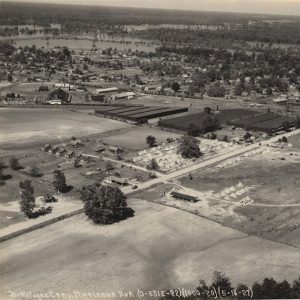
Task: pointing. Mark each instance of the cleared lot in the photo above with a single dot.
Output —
(30, 126)
(171, 249)
(258, 193)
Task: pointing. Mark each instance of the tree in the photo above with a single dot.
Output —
(14, 163)
(286, 125)
(269, 91)
(2, 166)
(193, 130)
(238, 89)
(151, 140)
(297, 122)
(209, 124)
(175, 86)
(9, 77)
(247, 136)
(153, 165)
(284, 139)
(105, 204)
(203, 289)
(222, 282)
(216, 90)
(109, 166)
(34, 172)
(296, 289)
(189, 147)
(59, 182)
(207, 110)
(27, 201)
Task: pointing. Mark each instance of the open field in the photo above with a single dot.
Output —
(295, 141)
(171, 249)
(21, 126)
(135, 139)
(257, 195)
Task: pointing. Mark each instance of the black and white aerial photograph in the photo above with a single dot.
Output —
(149, 149)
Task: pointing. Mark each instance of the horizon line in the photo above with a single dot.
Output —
(151, 8)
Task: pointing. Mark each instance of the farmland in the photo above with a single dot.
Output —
(21, 127)
(187, 248)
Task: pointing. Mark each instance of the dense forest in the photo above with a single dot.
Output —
(283, 33)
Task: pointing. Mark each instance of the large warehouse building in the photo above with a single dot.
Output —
(139, 114)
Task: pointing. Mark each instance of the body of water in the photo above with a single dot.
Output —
(86, 43)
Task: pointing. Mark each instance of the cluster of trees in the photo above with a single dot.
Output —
(268, 289)
(285, 33)
(27, 201)
(153, 165)
(59, 181)
(105, 204)
(208, 124)
(189, 147)
(151, 141)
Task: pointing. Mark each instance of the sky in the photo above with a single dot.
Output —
(281, 7)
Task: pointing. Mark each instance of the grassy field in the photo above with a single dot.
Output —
(135, 138)
(171, 249)
(21, 126)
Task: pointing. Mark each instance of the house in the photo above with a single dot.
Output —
(106, 90)
(46, 148)
(183, 196)
(98, 97)
(294, 97)
(115, 149)
(69, 154)
(280, 100)
(61, 152)
(76, 143)
(53, 150)
(114, 179)
(99, 149)
(127, 95)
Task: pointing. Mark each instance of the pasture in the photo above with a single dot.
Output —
(161, 247)
(26, 126)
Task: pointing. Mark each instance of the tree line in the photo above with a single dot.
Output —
(221, 287)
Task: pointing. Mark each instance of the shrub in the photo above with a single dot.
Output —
(14, 163)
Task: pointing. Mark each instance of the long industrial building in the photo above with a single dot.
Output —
(139, 114)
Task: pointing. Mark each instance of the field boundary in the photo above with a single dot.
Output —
(39, 225)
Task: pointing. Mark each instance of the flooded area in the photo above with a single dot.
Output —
(87, 42)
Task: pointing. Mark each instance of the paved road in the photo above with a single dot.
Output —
(207, 163)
